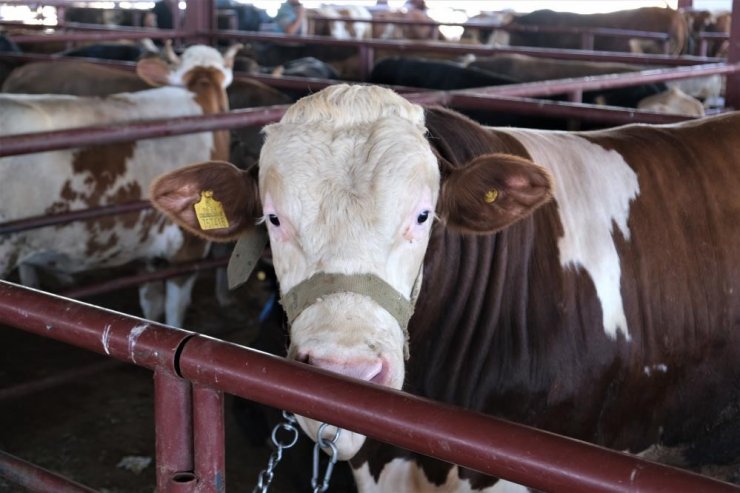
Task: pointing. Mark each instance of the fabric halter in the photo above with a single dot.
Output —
(315, 288)
(321, 284)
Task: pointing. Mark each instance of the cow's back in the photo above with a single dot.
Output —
(71, 77)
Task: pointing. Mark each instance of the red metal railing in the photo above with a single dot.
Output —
(189, 452)
(193, 371)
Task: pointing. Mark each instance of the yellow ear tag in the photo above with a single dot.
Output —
(210, 212)
(491, 196)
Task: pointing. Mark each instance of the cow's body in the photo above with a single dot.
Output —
(73, 179)
(125, 51)
(650, 19)
(610, 314)
(447, 75)
(341, 29)
(529, 69)
(72, 77)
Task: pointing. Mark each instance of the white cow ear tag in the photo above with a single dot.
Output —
(247, 252)
(210, 212)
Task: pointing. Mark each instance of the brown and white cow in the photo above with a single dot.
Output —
(650, 19)
(66, 180)
(586, 283)
(354, 29)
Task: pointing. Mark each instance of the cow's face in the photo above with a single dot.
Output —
(348, 186)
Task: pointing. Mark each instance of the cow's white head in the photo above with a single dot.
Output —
(177, 70)
(348, 187)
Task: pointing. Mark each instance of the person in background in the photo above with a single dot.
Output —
(416, 5)
(161, 15)
(291, 18)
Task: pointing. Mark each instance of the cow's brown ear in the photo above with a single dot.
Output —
(214, 200)
(493, 191)
(153, 71)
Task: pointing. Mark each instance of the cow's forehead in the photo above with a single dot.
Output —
(318, 170)
(201, 56)
(388, 154)
(343, 105)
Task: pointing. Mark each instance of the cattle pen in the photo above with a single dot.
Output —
(193, 372)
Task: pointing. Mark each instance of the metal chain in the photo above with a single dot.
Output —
(330, 444)
(266, 475)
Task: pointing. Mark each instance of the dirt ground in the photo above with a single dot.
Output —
(90, 428)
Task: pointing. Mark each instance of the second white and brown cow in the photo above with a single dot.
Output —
(69, 180)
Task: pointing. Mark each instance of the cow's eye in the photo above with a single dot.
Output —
(422, 218)
(273, 219)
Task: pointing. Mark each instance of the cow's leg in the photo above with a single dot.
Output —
(151, 299)
(29, 275)
(179, 290)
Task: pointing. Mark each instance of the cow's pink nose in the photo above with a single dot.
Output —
(363, 369)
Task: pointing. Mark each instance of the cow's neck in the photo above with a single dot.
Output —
(205, 83)
(470, 283)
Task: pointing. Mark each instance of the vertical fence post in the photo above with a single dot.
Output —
(732, 91)
(173, 404)
(587, 41)
(209, 439)
(200, 22)
(366, 60)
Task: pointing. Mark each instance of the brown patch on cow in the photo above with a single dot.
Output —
(150, 220)
(103, 166)
(94, 246)
(67, 196)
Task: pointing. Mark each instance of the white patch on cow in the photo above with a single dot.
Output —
(367, 174)
(133, 338)
(593, 189)
(673, 102)
(658, 368)
(106, 338)
(151, 299)
(178, 299)
(404, 476)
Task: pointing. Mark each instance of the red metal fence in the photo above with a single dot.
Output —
(190, 446)
(192, 371)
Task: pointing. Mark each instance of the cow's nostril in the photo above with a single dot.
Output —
(303, 358)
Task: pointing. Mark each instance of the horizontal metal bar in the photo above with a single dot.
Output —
(96, 36)
(492, 446)
(102, 331)
(59, 378)
(67, 217)
(144, 277)
(601, 31)
(463, 49)
(125, 132)
(36, 479)
(608, 81)
(559, 110)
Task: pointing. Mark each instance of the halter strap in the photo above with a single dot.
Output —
(321, 284)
